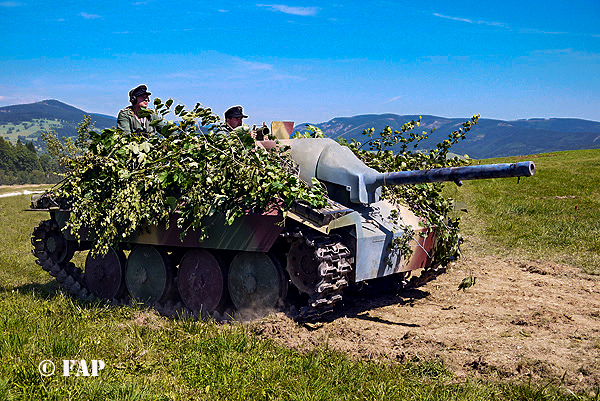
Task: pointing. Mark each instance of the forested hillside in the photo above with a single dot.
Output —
(20, 164)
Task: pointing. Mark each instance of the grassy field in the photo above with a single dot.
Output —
(554, 215)
(148, 357)
(12, 131)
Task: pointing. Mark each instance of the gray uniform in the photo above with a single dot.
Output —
(128, 122)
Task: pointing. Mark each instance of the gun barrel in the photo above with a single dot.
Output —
(502, 170)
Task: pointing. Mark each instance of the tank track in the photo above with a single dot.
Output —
(72, 279)
(334, 266)
(69, 276)
(333, 271)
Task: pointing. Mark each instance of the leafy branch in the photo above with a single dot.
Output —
(118, 183)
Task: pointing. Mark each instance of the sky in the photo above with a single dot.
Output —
(309, 61)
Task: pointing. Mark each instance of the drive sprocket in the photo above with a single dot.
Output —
(318, 266)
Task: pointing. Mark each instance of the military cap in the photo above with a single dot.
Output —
(235, 111)
(138, 91)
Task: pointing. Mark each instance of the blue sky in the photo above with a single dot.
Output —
(308, 60)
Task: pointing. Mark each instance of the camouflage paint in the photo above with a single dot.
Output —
(282, 129)
(252, 232)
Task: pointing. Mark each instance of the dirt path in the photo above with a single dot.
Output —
(16, 190)
(25, 192)
(520, 320)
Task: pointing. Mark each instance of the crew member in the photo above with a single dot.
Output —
(129, 119)
(233, 119)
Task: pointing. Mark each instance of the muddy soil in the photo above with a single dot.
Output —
(521, 320)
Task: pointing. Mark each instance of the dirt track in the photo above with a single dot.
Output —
(521, 319)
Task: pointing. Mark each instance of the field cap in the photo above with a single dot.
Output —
(139, 91)
(235, 111)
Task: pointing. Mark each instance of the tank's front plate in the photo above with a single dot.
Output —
(375, 256)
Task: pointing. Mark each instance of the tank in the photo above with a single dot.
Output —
(258, 264)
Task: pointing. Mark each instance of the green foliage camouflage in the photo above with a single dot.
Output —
(118, 183)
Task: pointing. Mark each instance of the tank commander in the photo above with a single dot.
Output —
(129, 119)
(233, 119)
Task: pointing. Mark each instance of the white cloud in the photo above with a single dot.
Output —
(554, 51)
(470, 21)
(529, 30)
(453, 18)
(89, 16)
(392, 100)
(184, 75)
(517, 29)
(10, 4)
(303, 11)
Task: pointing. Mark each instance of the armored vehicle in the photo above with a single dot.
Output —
(258, 263)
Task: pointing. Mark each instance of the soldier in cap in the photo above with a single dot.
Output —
(233, 120)
(129, 119)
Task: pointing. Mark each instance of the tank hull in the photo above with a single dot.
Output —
(262, 261)
(249, 259)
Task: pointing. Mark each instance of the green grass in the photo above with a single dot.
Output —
(149, 357)
(554, 215)
(27, 128)
(164, 359)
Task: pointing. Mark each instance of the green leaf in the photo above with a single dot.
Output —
(171, 202)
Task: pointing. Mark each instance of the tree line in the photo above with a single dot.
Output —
(20, 164)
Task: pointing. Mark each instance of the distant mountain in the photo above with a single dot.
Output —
(52, 110)
(489, 138)
(28, 121)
